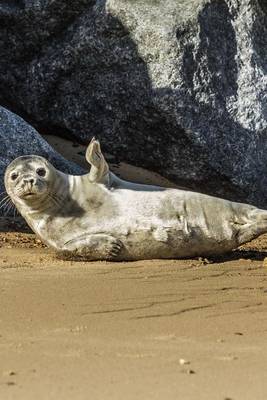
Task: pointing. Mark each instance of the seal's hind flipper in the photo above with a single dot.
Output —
(255, 225)
(99, 172)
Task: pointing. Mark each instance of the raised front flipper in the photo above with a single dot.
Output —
(99, 172)
(93, 247)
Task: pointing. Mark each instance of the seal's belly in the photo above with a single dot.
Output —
(150, 238)
(175, 243)
(175, 228)
(184, 227)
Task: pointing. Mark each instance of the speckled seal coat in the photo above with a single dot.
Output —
(123, 220)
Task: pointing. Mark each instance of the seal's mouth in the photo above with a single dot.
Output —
(28, 195)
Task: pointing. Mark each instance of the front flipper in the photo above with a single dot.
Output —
(99, 172)
(93, 247)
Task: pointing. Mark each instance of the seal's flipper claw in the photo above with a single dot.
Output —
(94, 247)
(115, 248)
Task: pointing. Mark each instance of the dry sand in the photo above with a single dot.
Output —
(148, 330)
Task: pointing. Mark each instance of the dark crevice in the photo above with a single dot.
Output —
(41, 127)
(12, 5)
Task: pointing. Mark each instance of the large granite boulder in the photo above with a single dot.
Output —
(175, 86)
(18, 138)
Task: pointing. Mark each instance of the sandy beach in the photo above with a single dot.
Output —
(149, 330)
(175, 329)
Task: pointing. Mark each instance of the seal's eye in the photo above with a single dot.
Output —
(41, 171)
(13, 176)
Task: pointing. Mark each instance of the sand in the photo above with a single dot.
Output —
(146, 330)
(175, 329)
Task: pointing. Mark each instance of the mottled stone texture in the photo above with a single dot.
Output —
(18, 138)
(176, 86)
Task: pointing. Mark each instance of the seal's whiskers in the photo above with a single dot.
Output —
(5, 202)
(7, 205)
(5, 198)
(9, 208)
(15, 212)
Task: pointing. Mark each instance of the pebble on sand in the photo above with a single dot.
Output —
(182, 361)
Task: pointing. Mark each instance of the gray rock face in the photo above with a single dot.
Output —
(175, 86)
(18, 138)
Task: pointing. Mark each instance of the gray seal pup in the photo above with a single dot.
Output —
(101, 217)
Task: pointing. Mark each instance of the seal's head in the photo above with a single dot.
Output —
(28, 179)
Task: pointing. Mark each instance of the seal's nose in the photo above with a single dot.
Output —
(28, 180)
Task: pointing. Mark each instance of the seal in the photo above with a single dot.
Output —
(101, 217)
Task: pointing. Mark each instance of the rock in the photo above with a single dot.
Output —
(19, 138)
(173, 86)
